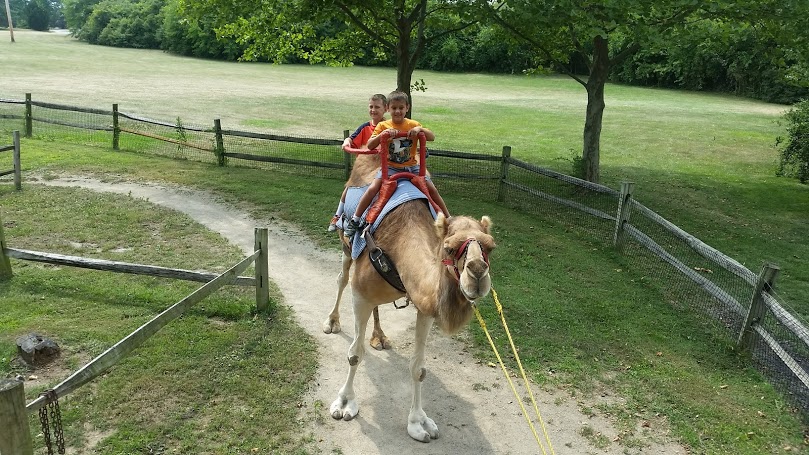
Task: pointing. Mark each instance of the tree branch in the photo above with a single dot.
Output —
(364, 27)
(503, 23)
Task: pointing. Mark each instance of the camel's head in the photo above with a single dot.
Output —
(465, 250)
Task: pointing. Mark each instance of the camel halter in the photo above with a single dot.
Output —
(452, 263)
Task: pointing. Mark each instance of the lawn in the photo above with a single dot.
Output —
(583, 317)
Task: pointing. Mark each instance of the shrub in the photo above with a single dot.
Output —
(795, 151)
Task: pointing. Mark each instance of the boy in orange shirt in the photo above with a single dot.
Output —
(377, 106)
(402, 156)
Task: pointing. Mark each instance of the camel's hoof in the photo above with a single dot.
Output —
(380, 343)
(342, 409)
(332, 326)
(425, 430)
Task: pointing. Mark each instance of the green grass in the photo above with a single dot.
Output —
(583, 317)
(218, 380)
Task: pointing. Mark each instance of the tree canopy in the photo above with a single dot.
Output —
(607, 32)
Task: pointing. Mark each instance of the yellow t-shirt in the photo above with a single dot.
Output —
(402, 151)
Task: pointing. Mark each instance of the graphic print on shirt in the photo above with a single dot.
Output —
(399, 150)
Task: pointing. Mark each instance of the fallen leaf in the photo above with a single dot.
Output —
(723, 386)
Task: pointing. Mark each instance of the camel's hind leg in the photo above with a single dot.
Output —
(345, 405)
(419, 426)
(378, 339)
(332, 324)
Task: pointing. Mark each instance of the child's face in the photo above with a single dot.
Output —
(376, 110)
(397, 110)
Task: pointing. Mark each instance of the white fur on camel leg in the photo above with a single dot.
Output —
(419, 426)
(345, 405)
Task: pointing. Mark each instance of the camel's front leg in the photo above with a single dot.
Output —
(345, 406)
(332, 324)
(419, 426)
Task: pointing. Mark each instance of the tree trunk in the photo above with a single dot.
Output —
(10, 26)
(404, 69)
(595, 109)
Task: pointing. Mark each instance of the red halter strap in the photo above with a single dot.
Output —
(452, 263)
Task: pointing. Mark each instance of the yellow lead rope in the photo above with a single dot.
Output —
(522, 371)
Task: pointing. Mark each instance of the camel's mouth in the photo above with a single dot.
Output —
(474, 288)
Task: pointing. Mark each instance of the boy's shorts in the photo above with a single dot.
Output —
(394, 170)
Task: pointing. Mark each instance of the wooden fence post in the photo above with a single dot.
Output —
(17, 168)
(116, 131)
(262, 271)
(501, 191)
(219, 151)
(624, 211)
(29, 117)
(769, 272)
(15, 439)
(347, 157)
(5, 263)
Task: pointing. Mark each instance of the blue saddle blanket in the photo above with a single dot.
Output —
(405, 191)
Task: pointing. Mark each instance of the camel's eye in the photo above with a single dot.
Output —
(449, 251)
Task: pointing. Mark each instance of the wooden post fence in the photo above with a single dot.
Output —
(5, 263)
(116, 131)
(29, 117)
(219, 151)
(262, 270)
(15, 149)
(766, 279)
(347, 157)
(15, 436)
(624, 210)
(501, 191)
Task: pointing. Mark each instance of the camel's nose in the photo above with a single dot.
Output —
(477, 268)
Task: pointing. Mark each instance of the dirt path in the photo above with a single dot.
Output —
(472, 404)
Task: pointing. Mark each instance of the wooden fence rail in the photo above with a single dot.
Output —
(15, 149)
(16, 437)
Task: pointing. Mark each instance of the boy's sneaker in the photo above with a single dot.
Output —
(333, 224)
(352, 227)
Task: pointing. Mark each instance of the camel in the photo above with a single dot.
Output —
(443, 264)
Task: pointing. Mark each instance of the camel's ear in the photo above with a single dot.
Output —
(441, 225)
(486, 223)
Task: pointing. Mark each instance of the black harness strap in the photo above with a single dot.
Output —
(382, 263)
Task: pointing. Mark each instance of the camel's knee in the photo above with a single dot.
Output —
(353, 360)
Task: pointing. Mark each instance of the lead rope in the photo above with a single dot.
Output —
(508, 377)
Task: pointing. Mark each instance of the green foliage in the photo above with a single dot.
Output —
(195, 37)
(123, 23)
(719, 56)
(38, 14)
(795, 151)
(479, 48)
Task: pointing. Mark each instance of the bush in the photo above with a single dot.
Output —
(795, 151)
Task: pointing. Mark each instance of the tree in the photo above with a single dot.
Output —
(10, 23)
(336, 31)
(38, 13)
(559, 29)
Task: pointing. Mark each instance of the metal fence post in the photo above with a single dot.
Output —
(501, 190)
(769, 272)
(347, 157)
(116, 132)
(15, 439)
(262, 270)
(29, 118)
(624, 211)
(17, 165)
(219, 151)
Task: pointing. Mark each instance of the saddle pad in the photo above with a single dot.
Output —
(406, 191)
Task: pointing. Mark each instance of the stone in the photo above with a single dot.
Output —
(35, 349)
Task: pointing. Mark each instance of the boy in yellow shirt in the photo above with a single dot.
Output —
(402, 156)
